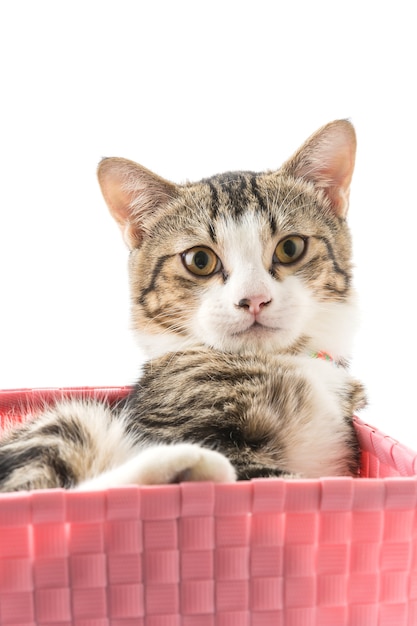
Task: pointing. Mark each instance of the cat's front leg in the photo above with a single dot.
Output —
(164, 464)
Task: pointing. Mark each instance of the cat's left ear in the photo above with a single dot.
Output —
(134, 195)
(327, 159)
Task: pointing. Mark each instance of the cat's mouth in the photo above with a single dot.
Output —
(256, 329)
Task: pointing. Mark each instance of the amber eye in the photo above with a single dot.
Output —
(201, 261)
(290, 249)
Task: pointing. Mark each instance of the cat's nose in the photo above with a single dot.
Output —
(254, 304)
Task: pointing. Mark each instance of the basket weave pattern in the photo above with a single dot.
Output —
(329, 552)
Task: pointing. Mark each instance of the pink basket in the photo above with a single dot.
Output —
(329, 552)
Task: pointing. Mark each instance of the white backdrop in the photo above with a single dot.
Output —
(189, 89)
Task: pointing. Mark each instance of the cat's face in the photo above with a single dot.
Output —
(241, 261)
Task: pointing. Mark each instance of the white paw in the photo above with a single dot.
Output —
(164, 464)
(183, 462)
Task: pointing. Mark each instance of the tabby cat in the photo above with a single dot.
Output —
(242, 296)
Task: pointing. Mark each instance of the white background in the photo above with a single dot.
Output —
(190, 89)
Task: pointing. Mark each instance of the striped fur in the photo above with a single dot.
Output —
(230, 389)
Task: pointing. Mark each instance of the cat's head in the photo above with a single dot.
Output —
(241, 261)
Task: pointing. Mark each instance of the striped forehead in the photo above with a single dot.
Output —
(234, 193)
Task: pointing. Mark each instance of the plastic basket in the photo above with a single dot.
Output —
(329, 552)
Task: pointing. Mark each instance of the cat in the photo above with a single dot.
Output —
(241, 294)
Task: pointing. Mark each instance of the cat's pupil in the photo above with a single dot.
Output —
(201, 259)
(290, 248)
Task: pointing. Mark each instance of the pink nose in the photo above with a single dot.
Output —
(254, 304)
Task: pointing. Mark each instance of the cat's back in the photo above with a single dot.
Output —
(283, 412)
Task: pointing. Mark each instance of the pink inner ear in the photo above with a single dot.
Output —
(132, 194)
(327, 159)
(117, 200)
(112, 176)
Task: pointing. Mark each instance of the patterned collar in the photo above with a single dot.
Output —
(325, 356)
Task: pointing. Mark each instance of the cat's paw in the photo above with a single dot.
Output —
(183, 462)
(165, 464)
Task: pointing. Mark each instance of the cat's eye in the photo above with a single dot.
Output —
(201, 261)
(290, 249)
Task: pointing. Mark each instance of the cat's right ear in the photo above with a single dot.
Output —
(133, 195)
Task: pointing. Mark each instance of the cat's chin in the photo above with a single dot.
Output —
(257, 330)
(257, 339)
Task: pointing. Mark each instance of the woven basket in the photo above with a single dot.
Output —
(329, 552)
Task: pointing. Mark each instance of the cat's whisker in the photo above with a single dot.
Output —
(179, 327)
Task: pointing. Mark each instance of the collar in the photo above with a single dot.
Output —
(324, 356)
